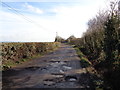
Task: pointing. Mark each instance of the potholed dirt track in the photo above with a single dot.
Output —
(59, 69)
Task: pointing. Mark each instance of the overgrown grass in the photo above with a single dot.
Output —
(94, 76)
(83, 60)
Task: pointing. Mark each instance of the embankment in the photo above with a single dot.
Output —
(15, 53)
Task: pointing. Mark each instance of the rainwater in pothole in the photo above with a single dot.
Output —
(71, 78)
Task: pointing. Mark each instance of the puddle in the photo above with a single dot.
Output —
(56, 79)
(71, 78)
(61, 71)
(66, 67)
(62, 62)
(48, 82)
(55, 64)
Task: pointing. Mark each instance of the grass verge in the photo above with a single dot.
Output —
(94, 76)
(83, 60)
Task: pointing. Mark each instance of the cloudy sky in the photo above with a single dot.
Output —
(39, 21)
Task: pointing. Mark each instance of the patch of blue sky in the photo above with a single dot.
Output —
(41, 5)
(12, 6)
(20, 7)
(48, 5)
(16, 5)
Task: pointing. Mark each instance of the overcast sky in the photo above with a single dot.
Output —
(39, 21)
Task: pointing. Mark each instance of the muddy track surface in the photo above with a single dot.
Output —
(59, 69)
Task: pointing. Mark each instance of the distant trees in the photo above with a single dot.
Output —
(71, 39)
(59, 39)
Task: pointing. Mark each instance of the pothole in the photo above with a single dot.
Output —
(61, 71)
(65, 61)
(57, 74)
(66, 67)
(71, 78)
(44, 68)
(48, 82)
(52, 81)
(55, 61)
(32, 68)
